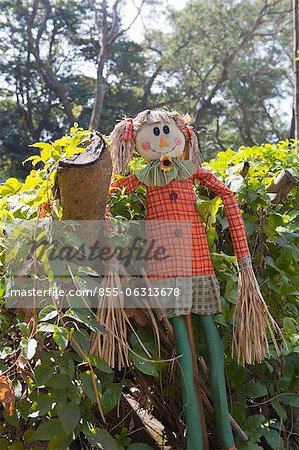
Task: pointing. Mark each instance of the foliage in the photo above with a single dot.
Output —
(50, 367)
(258, 394)
(229, 72)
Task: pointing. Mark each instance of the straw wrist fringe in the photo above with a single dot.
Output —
(251, 322)
(245, 263)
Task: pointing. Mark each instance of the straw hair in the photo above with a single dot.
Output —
(252, 320)
(122, 150)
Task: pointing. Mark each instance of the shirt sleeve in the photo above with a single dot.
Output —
(130, 183)
(233, 213)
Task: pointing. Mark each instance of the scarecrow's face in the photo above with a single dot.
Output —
(158, 139)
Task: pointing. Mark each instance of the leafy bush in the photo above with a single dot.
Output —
(61, 391)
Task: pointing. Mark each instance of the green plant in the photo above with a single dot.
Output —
(47, 358)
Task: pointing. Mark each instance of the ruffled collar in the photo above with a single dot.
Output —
(161, 172)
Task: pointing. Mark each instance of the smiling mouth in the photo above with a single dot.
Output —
(162, 154)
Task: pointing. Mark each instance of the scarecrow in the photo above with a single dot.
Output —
(169, 145)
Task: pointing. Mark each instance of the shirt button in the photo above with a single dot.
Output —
(178, 232)
(173, 196)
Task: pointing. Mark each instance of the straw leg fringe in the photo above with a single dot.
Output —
(251, 322)
(114, 346)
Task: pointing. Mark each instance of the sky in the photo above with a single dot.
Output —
(154, 15)
(151, 14)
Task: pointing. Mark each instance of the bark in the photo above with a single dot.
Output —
(83, 182)
(248, 137)
(104, 44)
(282, 185)
(107, 36)
(148, 87)
(45, 70)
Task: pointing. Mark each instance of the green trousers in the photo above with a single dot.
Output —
(217, 382)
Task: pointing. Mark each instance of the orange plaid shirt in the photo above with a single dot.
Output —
(176, 201)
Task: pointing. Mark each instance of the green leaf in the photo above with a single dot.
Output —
(139, 446)
(61, 441)
(46, 153)
(254, 423)
(41, 145)
(149, 368)
(48, 313)
(42, 405)
(12, 420)
(280, 410)
(60, 396)
(88, 385)
(17, 445)
(23, 327)
(273, 439)
(59, 381)
(85, 316)
(99, 363)
(74, 394)
(82, 338)
(46, 327)
(251, 446)
(69, 416)
(288, 399)
(28, 347)
(3, 444)
(99, 436)
(46, 431)
(111, 397)
(67, 366)
(23, 407)
(60, 336)
(235, 182)
(43, 374)
(255, 389)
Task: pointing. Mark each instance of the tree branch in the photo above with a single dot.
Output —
(44, 69)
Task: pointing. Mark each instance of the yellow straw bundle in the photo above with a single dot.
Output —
(113, 347)
(252, 320)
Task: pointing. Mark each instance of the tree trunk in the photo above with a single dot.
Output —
(296, 65)
(104, 48)
(45, 70)
(99, 99)
(83, 182)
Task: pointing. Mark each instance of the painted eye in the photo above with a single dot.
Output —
(166, 129)
(156, 131)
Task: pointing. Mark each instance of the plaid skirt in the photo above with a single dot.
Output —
(186, 295)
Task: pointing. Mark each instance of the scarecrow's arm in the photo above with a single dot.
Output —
(252, 319)
(130, 183)
(234, 217)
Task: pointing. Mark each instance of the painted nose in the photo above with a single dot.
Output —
(163, 141)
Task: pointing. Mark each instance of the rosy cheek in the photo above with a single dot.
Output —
(145, 145)
(178, 141)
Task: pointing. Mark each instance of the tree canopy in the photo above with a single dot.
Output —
(227, 63)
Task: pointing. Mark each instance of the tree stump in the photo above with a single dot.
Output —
(83, 182)
(282, 185)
